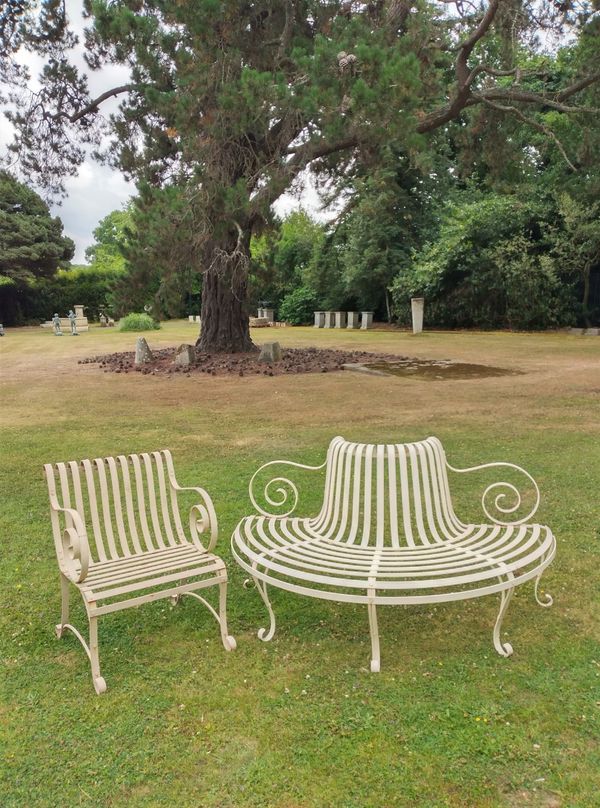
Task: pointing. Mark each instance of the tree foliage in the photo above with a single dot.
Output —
(32, 244)
(492, 265)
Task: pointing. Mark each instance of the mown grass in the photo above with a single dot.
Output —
(300, 722)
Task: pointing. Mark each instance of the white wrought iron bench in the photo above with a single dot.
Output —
(138, 550)
(387, 533)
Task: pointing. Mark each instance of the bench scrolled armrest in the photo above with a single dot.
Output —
(503, 491)
(73, 550)
(285, 489)
(202, 518)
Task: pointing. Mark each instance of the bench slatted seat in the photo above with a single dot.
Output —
(387, 533)
(120, 539)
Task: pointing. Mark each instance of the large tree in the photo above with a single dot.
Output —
(232, 101)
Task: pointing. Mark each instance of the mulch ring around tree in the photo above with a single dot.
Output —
(295, 360)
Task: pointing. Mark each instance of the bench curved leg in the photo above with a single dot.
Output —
(374, 631)
(263, 634)
(547, 597)
(504, 649)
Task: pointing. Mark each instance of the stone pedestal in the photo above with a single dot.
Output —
(319, 319)
(352, 319)
(340, 319)
(417, 306)
(329, 319)
(366, 320)
(191, 318)
(269, 314)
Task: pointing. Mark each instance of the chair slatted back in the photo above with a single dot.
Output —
(387, 495)
(126, 502)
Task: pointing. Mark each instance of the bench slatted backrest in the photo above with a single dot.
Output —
(387, 495)
(126, 503)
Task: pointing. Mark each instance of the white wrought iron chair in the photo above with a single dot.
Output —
(387, 533)
(138, 550)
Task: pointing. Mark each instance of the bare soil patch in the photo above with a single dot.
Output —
(295, 360)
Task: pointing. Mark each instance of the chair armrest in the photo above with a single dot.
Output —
(202, 517)
(73, 551)
(283, 493)
(509, 490)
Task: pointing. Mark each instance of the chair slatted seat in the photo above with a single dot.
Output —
(387, 533)
(120, 540)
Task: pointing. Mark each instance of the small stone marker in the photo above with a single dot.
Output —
(143, 354)
(186, 355)
(270, 352)
(1, 330)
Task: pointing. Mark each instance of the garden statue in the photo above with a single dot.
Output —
(73, 322)
(56, 324)
(103, 321)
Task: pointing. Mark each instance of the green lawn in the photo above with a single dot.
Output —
(300, 722)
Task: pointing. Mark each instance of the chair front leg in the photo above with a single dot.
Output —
(229, 642)
(97, 679)
(64, 609)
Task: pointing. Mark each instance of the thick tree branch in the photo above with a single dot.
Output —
(93, 105)
(466, 47)
(288, 171)
(533, 123)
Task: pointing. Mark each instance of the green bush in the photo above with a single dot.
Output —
(490, 267)
(298, 306)
(138, 321)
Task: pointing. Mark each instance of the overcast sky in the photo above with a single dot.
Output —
(98, 189)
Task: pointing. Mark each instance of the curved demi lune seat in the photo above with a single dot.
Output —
(387, 533)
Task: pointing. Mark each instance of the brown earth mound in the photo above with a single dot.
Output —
(295, 360)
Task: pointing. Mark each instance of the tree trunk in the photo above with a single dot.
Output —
(586, 295)
(225, 326)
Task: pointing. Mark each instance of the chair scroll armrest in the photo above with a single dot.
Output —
(281, 492)
(508, 490)
(202, 518)
(73, 550)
